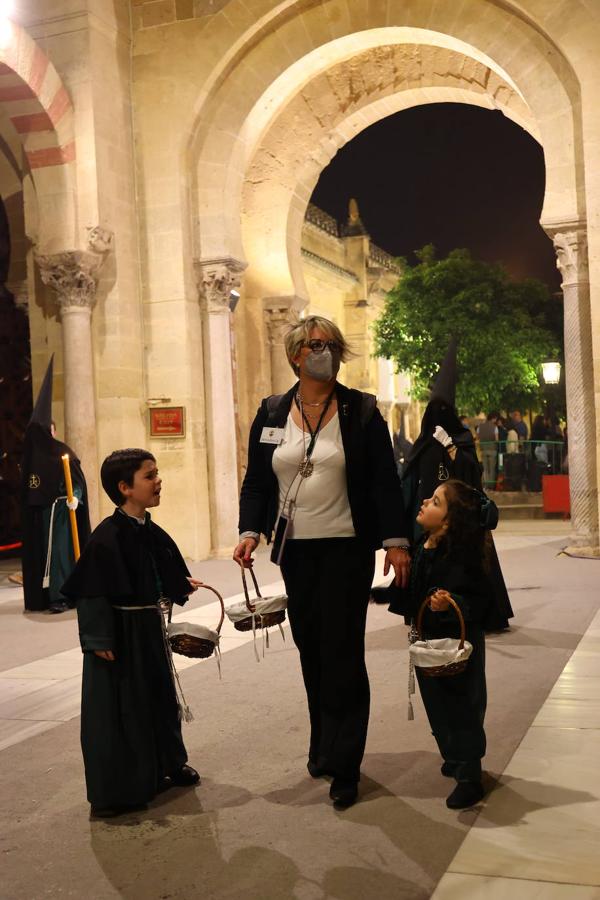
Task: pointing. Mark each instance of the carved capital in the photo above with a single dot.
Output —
(280, 313)
(570, 244)
(73, 274)
(216, 279)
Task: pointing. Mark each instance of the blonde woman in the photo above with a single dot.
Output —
(321, 475)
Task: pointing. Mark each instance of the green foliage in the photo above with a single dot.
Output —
(505, 330)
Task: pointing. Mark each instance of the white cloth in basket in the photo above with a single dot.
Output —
(198, 631)
(238, 611)
(438, 652)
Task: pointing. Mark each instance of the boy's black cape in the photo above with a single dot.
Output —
(129, 564)
(42, 482)
(130, 727)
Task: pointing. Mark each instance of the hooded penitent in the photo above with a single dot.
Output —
(45, 517)
(429, 464)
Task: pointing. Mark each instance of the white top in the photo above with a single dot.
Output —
(322, 509)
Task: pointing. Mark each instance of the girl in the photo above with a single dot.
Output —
(450, 560)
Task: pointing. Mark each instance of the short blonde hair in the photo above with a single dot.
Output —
(298, 335)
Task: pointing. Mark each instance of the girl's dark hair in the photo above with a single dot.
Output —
(121, 465)
(465, 536)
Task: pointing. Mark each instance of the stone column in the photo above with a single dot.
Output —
(280, 313)
(217, 278)
(73, 276)
(570, 243)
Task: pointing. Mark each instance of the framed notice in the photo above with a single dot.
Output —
(167, 421)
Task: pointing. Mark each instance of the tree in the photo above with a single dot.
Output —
(505, 330)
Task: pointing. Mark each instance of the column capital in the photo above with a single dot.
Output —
(73, 274)
(216, 279)
(280, 313)
(570, 244)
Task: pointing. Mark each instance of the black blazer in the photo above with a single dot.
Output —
(373, 486)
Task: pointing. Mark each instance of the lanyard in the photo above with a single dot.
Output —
(313, 434)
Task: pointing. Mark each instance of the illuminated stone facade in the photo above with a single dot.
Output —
(172, 146)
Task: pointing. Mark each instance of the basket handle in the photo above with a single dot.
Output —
(215, 591)
(453, 603)
(256, 588)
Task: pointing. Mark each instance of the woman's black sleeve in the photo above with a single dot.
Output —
(254, 495)
(385, 490)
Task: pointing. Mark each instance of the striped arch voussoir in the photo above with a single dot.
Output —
(36, 102)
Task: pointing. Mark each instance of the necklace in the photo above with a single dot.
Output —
(305, 403)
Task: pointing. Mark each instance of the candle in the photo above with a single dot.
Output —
(73, 518)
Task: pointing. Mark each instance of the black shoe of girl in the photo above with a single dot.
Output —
(465, 794)
(448, 769)
(316, 771)
(343, 793)
(185, 777)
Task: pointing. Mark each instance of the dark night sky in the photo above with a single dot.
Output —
(449, 174)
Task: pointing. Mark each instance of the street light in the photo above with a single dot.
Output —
(551, 372)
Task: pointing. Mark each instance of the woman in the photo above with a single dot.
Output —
(320, 462)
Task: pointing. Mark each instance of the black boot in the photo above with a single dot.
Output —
(184, 777)
(465, 794)
(343, 793)
(448, 769)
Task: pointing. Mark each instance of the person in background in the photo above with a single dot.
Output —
(488, 443)
(48, 556)
(517, 423)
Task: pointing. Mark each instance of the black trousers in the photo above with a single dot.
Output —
(328, 582)
(455, 706)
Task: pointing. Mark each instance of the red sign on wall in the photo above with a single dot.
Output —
(167, 421)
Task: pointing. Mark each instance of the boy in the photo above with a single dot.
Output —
(130, 717)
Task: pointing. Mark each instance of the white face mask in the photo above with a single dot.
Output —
(322, 366)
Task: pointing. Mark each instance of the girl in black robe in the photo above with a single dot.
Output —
(130, 715)
(450, 558)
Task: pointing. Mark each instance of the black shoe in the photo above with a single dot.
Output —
(185, 777)
(448, 769)
(314, 770)
(58, 608)
(343, 793)
(465, 794)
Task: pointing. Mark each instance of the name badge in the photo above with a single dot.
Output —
(272, 436)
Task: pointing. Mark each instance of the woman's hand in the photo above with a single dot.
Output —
(399, 559)
(243, 552)
(439, 601)
(105, 654)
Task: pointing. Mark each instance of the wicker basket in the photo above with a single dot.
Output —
(257, 620)
(445, 669)
(193, 641)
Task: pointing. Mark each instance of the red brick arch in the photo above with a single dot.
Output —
(36, 101)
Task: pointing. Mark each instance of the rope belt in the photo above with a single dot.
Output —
(185, 712)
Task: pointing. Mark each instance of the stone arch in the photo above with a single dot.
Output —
(258, 77)
(327, 113)
(36, 105)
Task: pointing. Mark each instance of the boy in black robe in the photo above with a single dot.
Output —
(130, 714)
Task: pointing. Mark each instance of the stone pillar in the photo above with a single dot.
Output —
(217, 278)
(73, 276)
(570, 243)
(280, 313)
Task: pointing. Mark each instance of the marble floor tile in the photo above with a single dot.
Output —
(57, 702)
(541, 822)
(10, 688)
(477, 887)
(584, 662)
(576, 687)
(566, 712)
(52, 667)
(13, 731)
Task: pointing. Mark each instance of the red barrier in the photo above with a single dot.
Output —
(555, 494)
